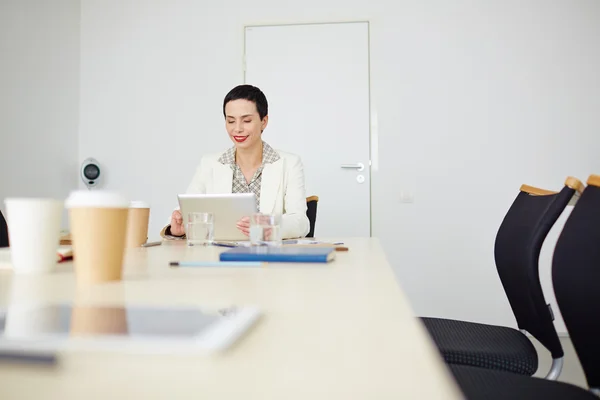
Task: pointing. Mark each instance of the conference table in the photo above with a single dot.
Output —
(342, 330)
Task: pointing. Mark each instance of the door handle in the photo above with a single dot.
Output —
(358, 166)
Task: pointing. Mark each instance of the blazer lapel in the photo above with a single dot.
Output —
(223, 178)
(271, 181)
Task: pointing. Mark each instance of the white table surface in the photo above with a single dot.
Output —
(339, 331)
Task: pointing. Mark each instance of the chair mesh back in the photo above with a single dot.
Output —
(3, 232)
(517, 251)
(576, 280)
(311, 213)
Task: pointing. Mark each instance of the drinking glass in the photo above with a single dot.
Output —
(265, 230)
(200, 228)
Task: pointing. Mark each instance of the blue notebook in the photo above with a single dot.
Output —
(280, 254)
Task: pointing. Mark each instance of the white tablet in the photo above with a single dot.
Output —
(146, 329)
(226, 208)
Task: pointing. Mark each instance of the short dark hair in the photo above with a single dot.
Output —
(250, 93)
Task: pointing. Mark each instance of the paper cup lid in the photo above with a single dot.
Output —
(139, 204)
(96, 198)
(39, 200)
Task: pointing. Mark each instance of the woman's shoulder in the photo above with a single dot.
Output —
(288, 157)
(291, 162)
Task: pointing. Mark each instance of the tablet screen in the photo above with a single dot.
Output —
(65, 320)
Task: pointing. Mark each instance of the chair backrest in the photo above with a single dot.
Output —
(311, 213)
(3, 231)
(517, 251)
(576, 279)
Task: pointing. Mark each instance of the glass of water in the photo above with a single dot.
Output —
(265, 230)
(200, 228)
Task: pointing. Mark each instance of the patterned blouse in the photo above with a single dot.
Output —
(239, 184)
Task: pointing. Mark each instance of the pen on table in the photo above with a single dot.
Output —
(151, 244)
(215, 264)
(27, 357)
(220, 244)
(296, 241)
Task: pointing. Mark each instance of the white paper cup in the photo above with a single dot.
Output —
(34, 233)
(98, 221)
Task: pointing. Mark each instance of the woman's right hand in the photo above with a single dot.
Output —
(177, 228)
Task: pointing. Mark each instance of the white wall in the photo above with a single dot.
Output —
(39, 97)
(472, 99)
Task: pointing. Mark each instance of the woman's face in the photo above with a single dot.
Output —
(243, 123)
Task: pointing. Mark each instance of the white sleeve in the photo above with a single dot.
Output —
(294, 222)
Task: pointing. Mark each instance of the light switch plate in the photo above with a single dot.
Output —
(407, 197)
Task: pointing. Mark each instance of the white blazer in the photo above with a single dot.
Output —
(282, 189)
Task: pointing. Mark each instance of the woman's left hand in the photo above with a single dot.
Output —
(244, 225)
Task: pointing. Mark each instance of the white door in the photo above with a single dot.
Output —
(316, 79)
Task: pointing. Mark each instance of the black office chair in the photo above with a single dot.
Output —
(575, 277)
(517, 249)
(486, 384)
(311, 213)
(3, 231)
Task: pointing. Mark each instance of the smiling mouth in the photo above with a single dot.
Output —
(240, 139)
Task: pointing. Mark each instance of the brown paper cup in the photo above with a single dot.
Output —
(98, 222)
(137, 224)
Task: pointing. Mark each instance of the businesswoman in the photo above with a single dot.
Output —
(251, 166)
